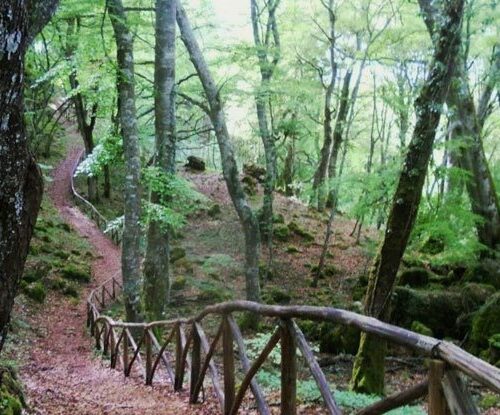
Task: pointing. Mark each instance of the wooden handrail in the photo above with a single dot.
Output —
(444, 387)
(97, 216)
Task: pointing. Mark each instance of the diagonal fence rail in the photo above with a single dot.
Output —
(184, 355)
(89, 208)
(185, 351)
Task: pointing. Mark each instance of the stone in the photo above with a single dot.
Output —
(485, 324)
(195, 163)
(414, 277)
(487, 272)
(177, 253)
(255, 171)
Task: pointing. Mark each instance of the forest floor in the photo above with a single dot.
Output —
(59, 368)
(63, 374)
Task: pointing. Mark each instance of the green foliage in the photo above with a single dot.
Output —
(107, 152)
(177, 198)
(256, 344)
(453, 224)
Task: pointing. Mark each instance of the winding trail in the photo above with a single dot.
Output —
(62, 374)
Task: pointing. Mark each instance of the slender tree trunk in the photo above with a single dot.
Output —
(467, 130)
(338, 134)
(320, 187)
(247, 218)
(131, 264)
(267, 67)
(107, 182)
(288, 169)
(368, 371)
(156, 264)
(21, 185)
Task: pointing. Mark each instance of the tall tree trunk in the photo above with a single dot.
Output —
(131, 264)
(85, 127)
(338, 135)
(321, 175)
(467, 130)
(368, 371)
(156, 264)
(267, 66)
(21, 185)
(247, 218)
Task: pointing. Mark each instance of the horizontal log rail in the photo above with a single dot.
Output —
(95, 215)
(185, 355)
(185, 352)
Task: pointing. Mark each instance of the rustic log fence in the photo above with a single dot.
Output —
(101, 222)
(185, 351)
(186, 355)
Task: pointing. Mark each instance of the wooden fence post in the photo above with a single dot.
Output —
(228, 353)
(195, 364)
(113, 349)
(288, 371)
(126, 371)
(437, 401)
(149, 357)
(179, 370)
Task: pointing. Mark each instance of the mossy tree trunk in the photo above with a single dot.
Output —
(466, 125)
(157, 261)
(368, 371)
(230, 171)
(321, 174)
(131, 264)
(21, 185)
(268, 54)
(85, 120)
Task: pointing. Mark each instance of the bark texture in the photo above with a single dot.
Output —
(368, 371)
(131, 265)
(157, 261)
(21, 185)
(247, 217)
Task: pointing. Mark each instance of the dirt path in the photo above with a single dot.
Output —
(62, 374)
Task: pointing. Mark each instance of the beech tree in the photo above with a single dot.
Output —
(131, 256)
(466, 125)
(21, 185)
(368, 371)
(157, 261)
(215, 111)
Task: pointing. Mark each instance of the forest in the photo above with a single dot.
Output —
(249, 206)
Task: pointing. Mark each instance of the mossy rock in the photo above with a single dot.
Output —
(249, 185)
(36, 291)
(438, 310)
(295, 228)
(179, 283)
(414, 277)
(214, 211)
(433, 246)
(486, 272)
(37, 271)
(420, 328)
(184, 264)
(276, 295)
(61, 254)
(494, 349)
(77, 273)
(292, 249)
(278, 218)
(486, 323)
(64, 226)
(474, 295)
(177, 253)
(338, 339)
(214, 295)
(281, 232)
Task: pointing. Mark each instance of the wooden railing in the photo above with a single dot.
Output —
(184, 351)
(95, 215)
